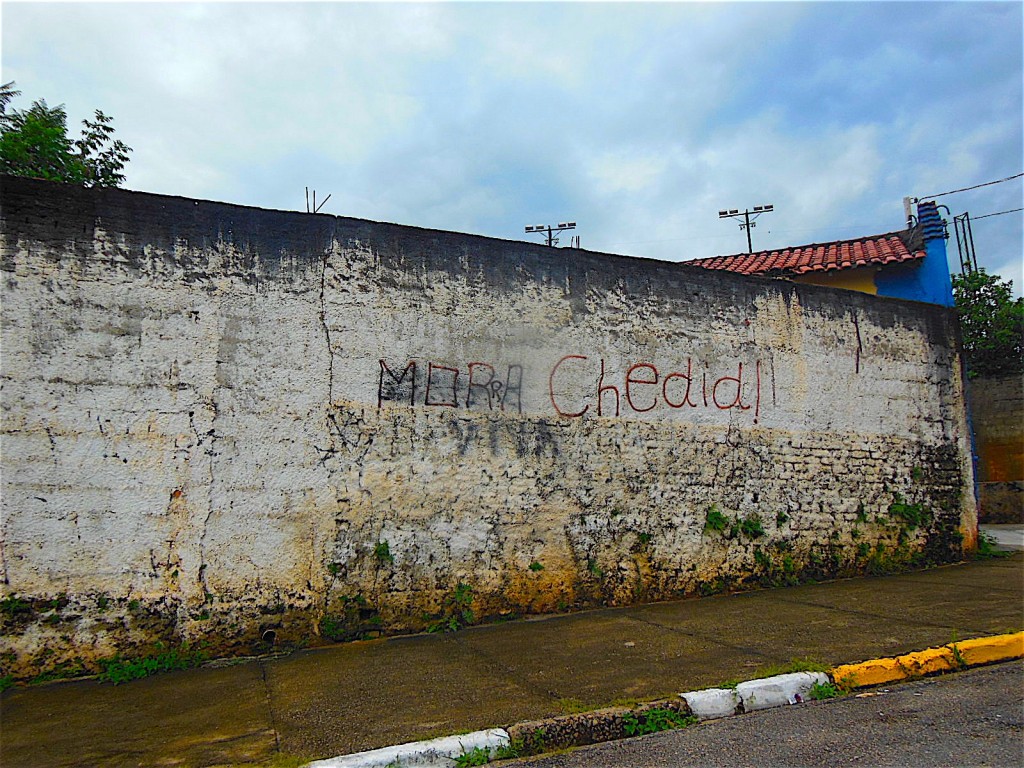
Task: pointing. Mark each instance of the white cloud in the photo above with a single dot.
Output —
(624, 171)
(1012, 270)
(640, 120)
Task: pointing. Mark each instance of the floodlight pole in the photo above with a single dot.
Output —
(550, 231)
(747, 224)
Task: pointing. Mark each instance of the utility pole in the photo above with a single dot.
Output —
(550, 231)
(748, 223)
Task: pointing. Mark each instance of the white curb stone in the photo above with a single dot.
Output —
(712, 702)
(421, 754)
(779, 690)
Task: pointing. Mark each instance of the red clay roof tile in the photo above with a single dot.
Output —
(891, 248)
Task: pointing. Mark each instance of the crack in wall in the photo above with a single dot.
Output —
(3, 551)
(210, 453)
(860, 345)
(327, 330)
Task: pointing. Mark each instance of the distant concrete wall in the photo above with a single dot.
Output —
(997, 415)
(228, 424)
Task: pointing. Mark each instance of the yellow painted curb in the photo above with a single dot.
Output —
(969, 653)
(986, 650)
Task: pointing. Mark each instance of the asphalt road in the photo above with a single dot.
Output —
(972, 718)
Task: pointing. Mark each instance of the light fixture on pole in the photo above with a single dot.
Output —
(748, 222)
(550, 231)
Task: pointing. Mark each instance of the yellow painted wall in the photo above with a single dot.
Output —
(860, 279)
(997, 411)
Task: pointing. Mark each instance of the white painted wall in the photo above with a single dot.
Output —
(196, 443)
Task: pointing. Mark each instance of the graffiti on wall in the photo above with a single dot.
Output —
(645, 388)
(577, 385)
(475, 387)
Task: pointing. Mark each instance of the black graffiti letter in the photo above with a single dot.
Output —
(475, 384)
(452, 401)
(513, 389)
(392, 390)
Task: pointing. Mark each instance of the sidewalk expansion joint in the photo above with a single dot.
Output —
(714, 639)
(903, 618)
(964, 587)
(506, 673)
(270, 706)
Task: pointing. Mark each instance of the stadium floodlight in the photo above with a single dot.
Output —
(748, 220)
(552, 231)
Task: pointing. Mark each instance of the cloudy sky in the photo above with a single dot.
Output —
(639, 121)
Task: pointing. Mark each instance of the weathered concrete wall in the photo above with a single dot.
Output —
(997, 414)
(219, 421)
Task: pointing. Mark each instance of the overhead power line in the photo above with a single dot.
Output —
(1012, 210)
(966, 189)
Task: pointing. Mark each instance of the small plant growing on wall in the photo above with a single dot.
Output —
(751, 526)
(118, 669)
(714, 520)
(862, 515)
(913, 515)
(456, 611)
(12, 605)
(356, 619)
(762, 559)
(382, 552)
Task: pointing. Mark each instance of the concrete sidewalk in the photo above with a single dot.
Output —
(1008, 537)
(363, 695)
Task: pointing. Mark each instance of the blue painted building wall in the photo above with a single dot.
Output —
(926, 280)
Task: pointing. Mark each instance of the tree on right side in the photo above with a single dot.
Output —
(991, 323)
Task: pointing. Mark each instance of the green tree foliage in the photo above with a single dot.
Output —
(34, 142)
(991, 322)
